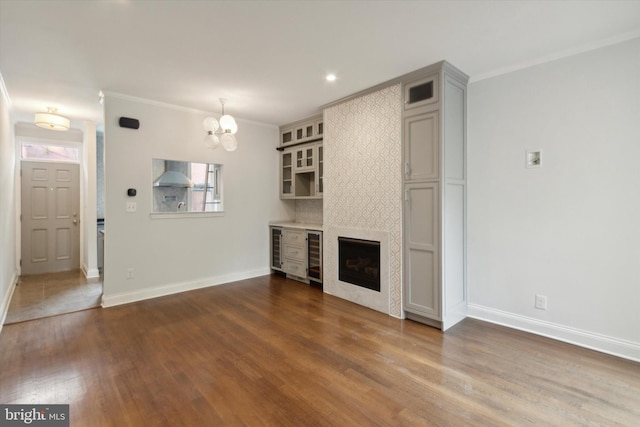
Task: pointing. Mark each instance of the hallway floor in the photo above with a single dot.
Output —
(50, 294)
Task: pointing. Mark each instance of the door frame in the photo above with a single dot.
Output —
(85, 141)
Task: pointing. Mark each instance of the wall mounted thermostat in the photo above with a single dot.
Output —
(131, 192)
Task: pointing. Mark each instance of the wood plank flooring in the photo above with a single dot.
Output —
(272, 352)
(51, 294)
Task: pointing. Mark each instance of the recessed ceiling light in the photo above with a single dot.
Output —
(331, 77)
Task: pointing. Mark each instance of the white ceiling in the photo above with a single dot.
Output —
(269, 58)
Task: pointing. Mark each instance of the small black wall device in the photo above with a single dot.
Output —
(131, 192)
(128, 122)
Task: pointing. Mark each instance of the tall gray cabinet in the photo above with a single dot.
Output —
(434, 184)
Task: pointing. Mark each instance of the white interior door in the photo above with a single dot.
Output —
(50, 217)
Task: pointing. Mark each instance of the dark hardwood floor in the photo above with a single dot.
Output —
(273, 352)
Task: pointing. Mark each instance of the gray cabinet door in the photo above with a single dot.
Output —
(286, 174)
(421, 142)
(421, 223)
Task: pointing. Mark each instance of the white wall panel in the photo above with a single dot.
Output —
(569, 229)
(176, 254)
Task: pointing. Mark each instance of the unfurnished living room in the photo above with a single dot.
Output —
(319, 213)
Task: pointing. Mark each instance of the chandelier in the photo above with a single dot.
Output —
(221, 132)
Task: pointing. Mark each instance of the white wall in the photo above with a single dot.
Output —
(8, 267)
(171, 255)
(569, 230)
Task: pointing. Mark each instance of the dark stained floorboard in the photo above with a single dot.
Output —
(274, 352)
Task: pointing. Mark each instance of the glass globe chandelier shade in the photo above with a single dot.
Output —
(210, 124)
(211, 140)
(229, 142)
(226, 127)
(228, 124)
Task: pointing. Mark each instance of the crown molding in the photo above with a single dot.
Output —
(179, 107)
(559, 55)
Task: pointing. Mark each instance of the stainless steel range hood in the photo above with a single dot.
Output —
(173, 179)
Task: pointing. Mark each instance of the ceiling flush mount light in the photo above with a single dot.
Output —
(221, 132)
(331, 77)
(51, 120)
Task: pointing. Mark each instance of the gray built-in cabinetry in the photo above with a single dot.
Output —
(297, 252)
(302, 159)
(434, 184)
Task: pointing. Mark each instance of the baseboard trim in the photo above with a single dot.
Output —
(90, 273)
(160, 291)
(6, 300)
(604, 344)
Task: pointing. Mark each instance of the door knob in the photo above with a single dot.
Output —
(75, 221)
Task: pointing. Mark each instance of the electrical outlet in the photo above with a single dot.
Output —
(130, 274)
(541, 302)
(131, 207)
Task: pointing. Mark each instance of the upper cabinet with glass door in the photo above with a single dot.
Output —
(305, 157)
(306, 130)
(301, 159)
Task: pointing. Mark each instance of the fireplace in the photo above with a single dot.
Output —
(359, 262)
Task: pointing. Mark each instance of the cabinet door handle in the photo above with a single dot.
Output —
(407, 169)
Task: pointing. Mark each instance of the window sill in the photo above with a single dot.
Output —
(183, 215)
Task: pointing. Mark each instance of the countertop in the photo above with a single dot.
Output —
(294, 224)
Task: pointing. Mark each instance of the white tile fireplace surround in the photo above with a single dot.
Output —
(379, 301)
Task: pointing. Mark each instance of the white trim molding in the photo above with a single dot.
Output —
(174, 288)
(181, 108)
(604, 344)
(6, 300)
(555, 56)
(90, 273)
(5, 93)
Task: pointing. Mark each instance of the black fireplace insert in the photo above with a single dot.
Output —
(359, 262)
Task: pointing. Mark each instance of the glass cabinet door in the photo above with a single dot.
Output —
(304, 132)
(304, 158)
(286, 137)
(309, 157)
(320, 170)
(286, 182)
